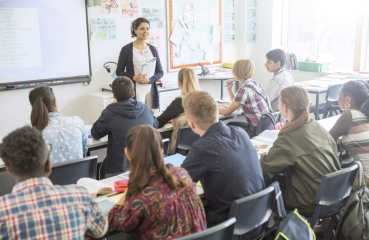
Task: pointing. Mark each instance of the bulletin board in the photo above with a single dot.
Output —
(194, 33)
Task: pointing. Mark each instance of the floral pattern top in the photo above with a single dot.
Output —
(159, 212)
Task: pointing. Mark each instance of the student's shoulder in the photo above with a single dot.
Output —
(128, 46)
(74, 191)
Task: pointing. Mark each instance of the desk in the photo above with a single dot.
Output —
(223, 77)
(328, 123)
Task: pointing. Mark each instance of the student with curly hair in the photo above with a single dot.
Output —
(36, 209)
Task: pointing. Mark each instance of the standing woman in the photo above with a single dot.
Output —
(131, 59)
(67, 135)
(353, 124)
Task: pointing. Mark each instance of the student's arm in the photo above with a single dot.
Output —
(122, 63)
(172, 111)
(97, 223)
(101, 127)
(195, 164)
(342, 126)
(158, 68)
(273, 90)
(230, 109)
(278, 159)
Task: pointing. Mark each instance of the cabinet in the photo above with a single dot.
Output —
(97, 102)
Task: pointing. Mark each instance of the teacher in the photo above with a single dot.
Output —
(130, 62)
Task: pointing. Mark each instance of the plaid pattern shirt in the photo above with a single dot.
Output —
(279, 71)
(38, 210)
(253, 103)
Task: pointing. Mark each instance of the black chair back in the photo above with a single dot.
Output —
(186, 137)
(252, 211)
(222, 231)
(70, 172)
(333, 93)
(267, 122)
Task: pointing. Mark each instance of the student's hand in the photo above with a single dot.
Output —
(123, 198)
(229, 83)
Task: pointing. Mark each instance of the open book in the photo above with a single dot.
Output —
(149, 68)
(95, 187)
(267, 138)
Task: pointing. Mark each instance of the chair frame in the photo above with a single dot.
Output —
(329, 106)
(276, 118)
(179, 148)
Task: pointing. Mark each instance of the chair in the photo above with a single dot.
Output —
(267, 122)
(253, 211)
(186, 137)
(331, 103)
(222, 231)
(70, 172)
(333, 192)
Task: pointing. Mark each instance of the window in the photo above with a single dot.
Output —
(326, 30)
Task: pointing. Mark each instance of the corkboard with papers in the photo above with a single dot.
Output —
(194, 33)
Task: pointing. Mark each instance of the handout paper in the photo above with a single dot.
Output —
(188, 12)
(206, 40)
(185, 53)
(216, 34)
(177, 34)
(213, 15)
(211, 53)
(200, 13)
(195, 40)
(149, 68)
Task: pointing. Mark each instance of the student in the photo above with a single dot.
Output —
(250, 96)
(116, 120)
(161, 200)
(131, 59)
(223, 159)
(67, 134)
(275, 63)
(187, 82)
(36, 209)
(353, 124)
(303, 150)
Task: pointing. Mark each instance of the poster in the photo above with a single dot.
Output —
(229, 21)
(155, 16)
(154, 39)
(109, 7)
(129, 8)
(102, 29)
(250, 21)
(153, 3)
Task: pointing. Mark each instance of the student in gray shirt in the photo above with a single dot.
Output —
(275, 63)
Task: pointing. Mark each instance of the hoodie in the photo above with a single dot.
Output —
(115, 121)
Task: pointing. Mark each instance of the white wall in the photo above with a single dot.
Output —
(72, 99)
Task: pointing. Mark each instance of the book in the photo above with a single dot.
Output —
(95, 187)
(266, 138)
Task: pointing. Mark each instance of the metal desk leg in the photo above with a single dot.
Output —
(317, 106)
(221, 89)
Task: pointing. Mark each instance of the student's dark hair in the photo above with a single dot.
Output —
(122, 88)
(298, 101)
(23, 150)
(277, 55)
(136, 23)
(42, 101)
(359, 92)
(146, 156)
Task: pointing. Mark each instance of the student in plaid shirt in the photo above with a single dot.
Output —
(36, 209)
(250, 96)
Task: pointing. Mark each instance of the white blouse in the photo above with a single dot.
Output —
(140, 58)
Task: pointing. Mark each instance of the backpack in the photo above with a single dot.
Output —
(354, 222)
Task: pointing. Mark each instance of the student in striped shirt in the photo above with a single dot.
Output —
(353, 125)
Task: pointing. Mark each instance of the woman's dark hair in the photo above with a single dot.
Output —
(23, 150)
(136, 23)
(146, 156)
(42, 101)
(277, 55)
(358, 90)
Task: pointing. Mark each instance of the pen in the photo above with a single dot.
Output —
(229, 83)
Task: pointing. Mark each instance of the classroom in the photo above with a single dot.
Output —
(260, 106)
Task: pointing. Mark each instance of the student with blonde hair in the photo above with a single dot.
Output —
(223, 159)
(303, 149)
(250, 96)
(187, 82)
(161, 200)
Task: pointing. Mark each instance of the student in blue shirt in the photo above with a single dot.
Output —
(223, 159)
(67, 134)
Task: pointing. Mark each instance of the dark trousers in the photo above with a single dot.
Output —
(251, 130)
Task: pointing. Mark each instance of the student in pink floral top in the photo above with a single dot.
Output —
(250, 96)
(161, 200)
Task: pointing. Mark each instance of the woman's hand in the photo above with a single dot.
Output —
(141, 79)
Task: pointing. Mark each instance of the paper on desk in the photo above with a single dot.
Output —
(336, 76)
(205, 42)
(194, 40)
(200, 13)
(216, 34)
(149, 68)
(177, 34)
(185, 53)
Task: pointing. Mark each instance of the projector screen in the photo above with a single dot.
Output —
(43, 41)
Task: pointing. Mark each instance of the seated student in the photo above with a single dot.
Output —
(275, 63)
(161, 200)
(116, 120)
(303, 149)
(67, 134)
(187, 82)
(223, 159)
(250, 96)
(36, 209)
(353, 124)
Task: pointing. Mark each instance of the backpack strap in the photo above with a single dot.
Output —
(361, 179)
(279, 200)
(258, 93)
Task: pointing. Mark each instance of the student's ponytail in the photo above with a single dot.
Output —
(42, 101)
(188, 79)
(297, 100)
